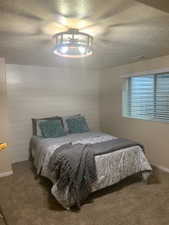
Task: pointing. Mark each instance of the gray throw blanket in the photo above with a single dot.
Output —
(74, 166)
(113, 145)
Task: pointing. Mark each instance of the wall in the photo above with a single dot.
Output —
(154, 135)
(40, 91)
(5, 165)
(35, 92)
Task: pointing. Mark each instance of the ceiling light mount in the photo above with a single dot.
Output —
(73, 44)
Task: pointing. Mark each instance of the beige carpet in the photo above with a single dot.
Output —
(26, 201)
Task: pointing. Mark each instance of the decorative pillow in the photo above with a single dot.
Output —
(77, 125)
(35, 124)
(64, 118)
(51, 128)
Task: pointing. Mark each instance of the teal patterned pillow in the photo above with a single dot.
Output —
(52, 128)
(77, 125)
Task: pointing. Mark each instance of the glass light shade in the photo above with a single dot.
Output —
(64, 49)
(73, 44)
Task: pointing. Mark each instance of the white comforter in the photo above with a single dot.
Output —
(111, 167)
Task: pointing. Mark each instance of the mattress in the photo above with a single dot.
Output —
(111, 167)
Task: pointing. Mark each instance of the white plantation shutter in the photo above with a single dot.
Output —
(147, 97)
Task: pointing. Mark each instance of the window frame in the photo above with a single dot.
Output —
(126, 94)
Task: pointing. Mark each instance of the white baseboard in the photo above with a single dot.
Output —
(162, 168)
(5, 174)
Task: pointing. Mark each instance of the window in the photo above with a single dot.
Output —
(147, 97)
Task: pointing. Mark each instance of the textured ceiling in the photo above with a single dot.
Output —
(123, 30)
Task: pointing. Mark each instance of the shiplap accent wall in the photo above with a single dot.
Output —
(42, 91)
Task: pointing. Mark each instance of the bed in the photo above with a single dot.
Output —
(111, 167)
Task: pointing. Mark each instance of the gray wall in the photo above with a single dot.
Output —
(5, 165)
(154, 135)
(40, 91)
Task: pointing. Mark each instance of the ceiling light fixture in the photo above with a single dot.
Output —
(73, 44)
